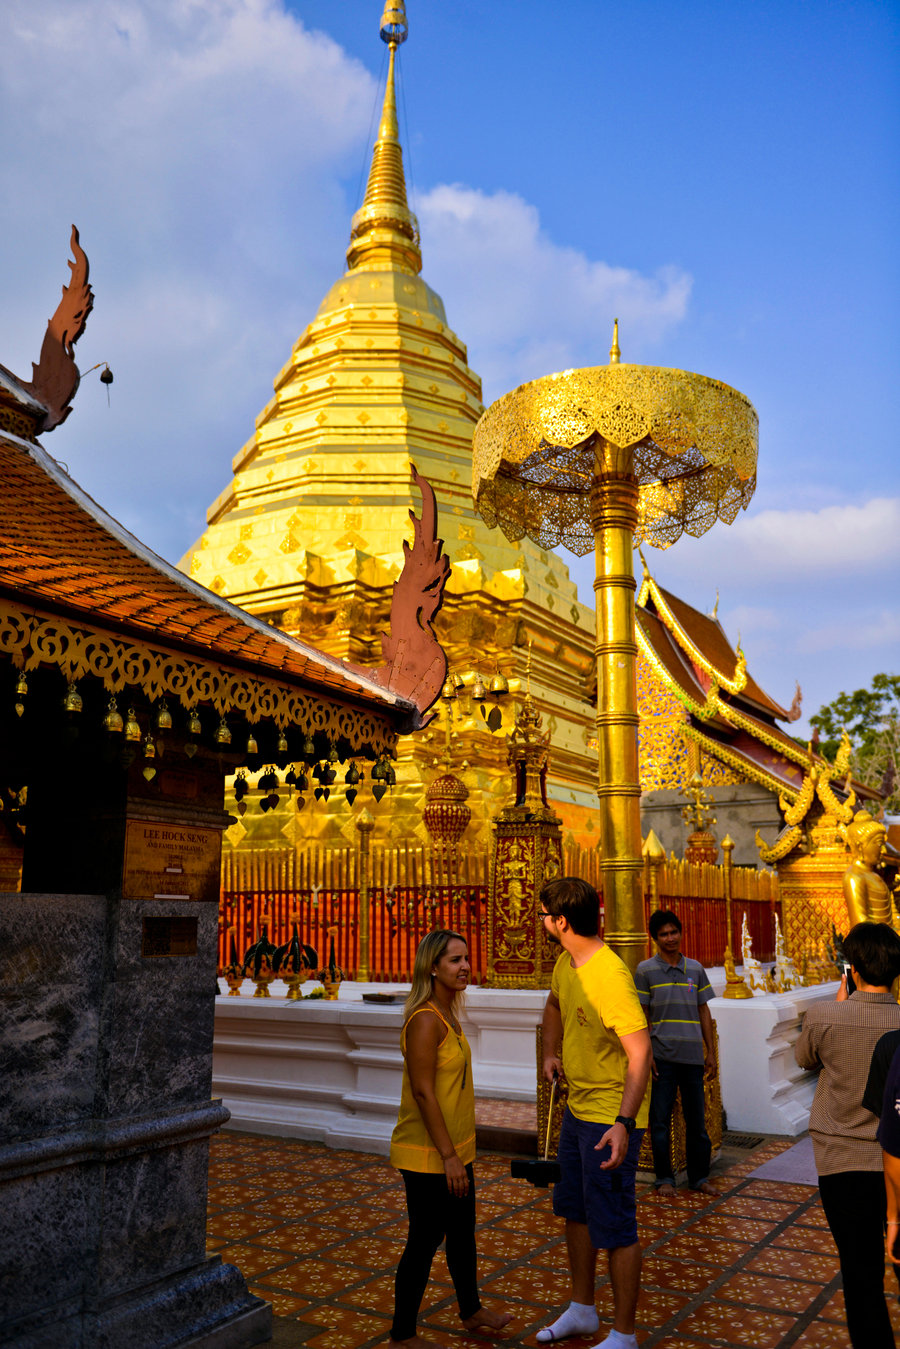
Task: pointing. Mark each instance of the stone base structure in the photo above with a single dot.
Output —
(102, 1170)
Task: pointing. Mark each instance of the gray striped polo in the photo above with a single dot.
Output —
(673, 996)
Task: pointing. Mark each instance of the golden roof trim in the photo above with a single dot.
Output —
(32, 638)
(736, 683)
(702, 710)
(739, 763)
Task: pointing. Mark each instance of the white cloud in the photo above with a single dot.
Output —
(524, 304)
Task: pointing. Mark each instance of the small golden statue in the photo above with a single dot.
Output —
(866, 894)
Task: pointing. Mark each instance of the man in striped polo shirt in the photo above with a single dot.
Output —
(673, 991)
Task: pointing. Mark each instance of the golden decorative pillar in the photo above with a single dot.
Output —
(527, 853)
(734, 984)
(605, 458)
(655, 855)
(701, 845)
(365, 823)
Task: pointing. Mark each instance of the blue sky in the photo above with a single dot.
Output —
(723, 177)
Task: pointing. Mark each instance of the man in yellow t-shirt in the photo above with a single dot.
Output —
(593, 1019)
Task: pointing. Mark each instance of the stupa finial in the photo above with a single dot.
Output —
(385, 234)
(615, 354)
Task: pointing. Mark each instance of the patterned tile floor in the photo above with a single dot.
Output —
(318, 1234)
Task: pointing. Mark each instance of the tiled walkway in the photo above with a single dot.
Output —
(318, 1234)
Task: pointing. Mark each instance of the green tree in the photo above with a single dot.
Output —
(871, 718)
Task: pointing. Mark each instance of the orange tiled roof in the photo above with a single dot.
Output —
(61, 550)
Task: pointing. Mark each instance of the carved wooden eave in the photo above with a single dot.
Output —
(78, 592)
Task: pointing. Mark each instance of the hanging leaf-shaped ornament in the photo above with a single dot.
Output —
(378, 790)
(494, 719)
(318, 793)
(351, 794)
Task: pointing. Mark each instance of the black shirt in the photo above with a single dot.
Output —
(882, 1056)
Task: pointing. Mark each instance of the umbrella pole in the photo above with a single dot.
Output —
(614, 515)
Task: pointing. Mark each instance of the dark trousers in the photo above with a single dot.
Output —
(855, 1206)
(687, 1078)
(434, 1214)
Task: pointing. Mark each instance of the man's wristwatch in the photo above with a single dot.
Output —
(629, 1123)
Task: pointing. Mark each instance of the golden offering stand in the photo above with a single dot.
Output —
(606, 458)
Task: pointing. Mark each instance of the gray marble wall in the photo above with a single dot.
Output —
(739, 810)
(105, 1118)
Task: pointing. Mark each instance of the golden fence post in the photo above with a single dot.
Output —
(734, 985)
(655, 854)
(365, 823)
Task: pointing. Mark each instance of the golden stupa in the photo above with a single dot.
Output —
(309, 533)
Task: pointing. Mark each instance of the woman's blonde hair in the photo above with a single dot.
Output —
(431, 948)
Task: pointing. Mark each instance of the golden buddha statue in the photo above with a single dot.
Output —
(866, 894)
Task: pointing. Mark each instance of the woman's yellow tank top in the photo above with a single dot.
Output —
(412, 1148)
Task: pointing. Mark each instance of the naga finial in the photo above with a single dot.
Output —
(615, 355)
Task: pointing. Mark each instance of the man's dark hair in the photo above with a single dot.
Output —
(873, 949)
(573, 899)
(663, 918)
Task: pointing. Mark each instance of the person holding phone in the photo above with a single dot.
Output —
(433, 1143)
(838, 1039)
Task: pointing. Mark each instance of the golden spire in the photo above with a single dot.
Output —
(385, 234)
(615, 354)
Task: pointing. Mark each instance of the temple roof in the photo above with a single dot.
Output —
(62, 553)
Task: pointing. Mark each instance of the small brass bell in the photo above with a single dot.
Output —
(149, 746)
(132, 726)
(223, 735)
(309, 748)
(164, 717)
(282, 746)
(458, 682)
(22, 686)
(194, 725)
(448, 692)
(333, 756)
(73, 701)
(106, 376)
(252, 746)
(499, 685)
(479, 692)
(113, 719)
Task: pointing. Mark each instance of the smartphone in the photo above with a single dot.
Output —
(851, 986)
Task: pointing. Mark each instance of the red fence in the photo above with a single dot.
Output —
(399, 917)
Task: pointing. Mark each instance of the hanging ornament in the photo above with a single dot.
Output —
(223, 734)
(309, 748)
(164, 717)
(282, 746)
(73, 701)
(113, 719)
(252, 746)
(132, 726)
(194, 725)
(351, 794)
(190, 749)
(149, 746)
(149, 772)
(390, 776)
(268, 781)
(318, 793)
(240, 786)
(333, 756)
(21, 693)
(302, 782)
(351, 777)
(479, 692)
(378, 790)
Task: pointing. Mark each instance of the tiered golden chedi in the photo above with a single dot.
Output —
(309, 533)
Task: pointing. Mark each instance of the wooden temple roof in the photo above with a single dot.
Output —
(61, 554)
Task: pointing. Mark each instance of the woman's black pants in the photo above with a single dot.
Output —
(855, 1207)
(434, 1214)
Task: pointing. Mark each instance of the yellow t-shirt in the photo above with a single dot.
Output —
(599, 1003)
(412, 1148)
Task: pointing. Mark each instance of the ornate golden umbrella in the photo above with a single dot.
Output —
(608, 458)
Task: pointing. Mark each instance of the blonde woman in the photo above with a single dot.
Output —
(433, 1144)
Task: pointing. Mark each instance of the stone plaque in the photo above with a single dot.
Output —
(169, 937)
(171, 861)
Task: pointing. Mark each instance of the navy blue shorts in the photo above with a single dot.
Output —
(604, 1200)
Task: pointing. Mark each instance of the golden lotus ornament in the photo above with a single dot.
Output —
(607, 458)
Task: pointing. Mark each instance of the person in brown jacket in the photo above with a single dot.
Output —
(838, 1039)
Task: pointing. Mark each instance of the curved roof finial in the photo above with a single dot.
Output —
(385, 233)
(615, 354)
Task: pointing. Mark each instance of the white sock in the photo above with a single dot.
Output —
(617, 1340)
(579, 1318)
